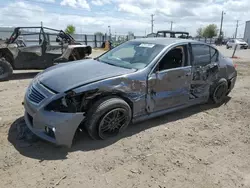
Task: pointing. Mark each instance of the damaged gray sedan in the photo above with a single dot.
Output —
(138, 80)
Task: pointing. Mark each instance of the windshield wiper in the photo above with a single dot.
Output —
(116, 64)
(106, 62)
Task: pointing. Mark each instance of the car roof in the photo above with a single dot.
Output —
(166, 41)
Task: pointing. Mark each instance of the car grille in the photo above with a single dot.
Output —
(35, 96)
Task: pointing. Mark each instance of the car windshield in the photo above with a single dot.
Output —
(132, 54)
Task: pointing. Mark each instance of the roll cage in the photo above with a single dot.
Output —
(172, 34)
(44, 33)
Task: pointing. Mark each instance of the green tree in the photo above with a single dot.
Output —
(199, 32)
(210, 31)
(70, 29)
(99, 33)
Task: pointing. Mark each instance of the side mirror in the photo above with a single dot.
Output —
(152, 79)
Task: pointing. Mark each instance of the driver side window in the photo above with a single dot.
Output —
(175, 58)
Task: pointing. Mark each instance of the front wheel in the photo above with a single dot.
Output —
(108, 117)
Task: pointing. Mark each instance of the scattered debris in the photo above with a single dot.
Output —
(62, 178)
(136, 171)
(106, 180)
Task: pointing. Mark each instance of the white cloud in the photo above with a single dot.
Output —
(134, 15)
(76, 4)
(100, 2)
(130, 9)
(47, 1)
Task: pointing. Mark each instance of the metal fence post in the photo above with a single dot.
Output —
(234, 50)
(86, 41)
(95, 41)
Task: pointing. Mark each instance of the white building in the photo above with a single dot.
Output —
(247, 32)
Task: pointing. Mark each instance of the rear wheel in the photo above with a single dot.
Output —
(108, 117)
(6, 69)
(220, 91)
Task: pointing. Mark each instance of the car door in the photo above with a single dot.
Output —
(230, 43)
(233, 43)
(169, 82)
(205, 68)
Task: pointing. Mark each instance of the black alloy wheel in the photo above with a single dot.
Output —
(112, 122)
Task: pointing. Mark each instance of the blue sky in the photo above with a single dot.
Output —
(90, 16)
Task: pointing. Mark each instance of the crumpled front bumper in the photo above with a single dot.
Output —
(61, 126)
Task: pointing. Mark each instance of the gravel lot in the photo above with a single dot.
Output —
(204, 146)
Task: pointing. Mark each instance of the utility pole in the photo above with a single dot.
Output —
(109, 32)
(152, 23)
(236, 30)
(220, 34)
(171, 27)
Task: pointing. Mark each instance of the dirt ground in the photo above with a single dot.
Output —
(204, 146)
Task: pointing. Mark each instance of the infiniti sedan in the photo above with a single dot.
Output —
(135, 81)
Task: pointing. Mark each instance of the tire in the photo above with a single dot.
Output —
(227, 46)
(6, 69)
(219, 92)
(102, 110)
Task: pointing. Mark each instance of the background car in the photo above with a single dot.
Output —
(233, 42)
(135, 81)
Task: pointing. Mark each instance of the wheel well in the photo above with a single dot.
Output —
(213, 86)
(98, 97)
(7, 55)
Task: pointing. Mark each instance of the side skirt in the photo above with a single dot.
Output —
(192, 102)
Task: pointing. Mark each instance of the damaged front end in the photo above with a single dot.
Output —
(72, 102)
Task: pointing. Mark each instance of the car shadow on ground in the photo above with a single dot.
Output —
(23, 75)
(42, 150)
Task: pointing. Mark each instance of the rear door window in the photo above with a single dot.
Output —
(201, 54)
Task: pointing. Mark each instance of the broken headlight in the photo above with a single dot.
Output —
(70, 103)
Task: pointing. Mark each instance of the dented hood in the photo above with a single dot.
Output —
(66, 76)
